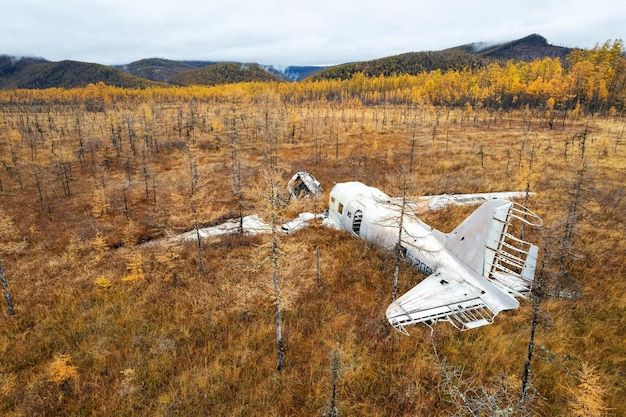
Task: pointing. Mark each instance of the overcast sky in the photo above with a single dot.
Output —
(290, 32)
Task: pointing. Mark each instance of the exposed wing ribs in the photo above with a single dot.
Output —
(441, 297)
(464, 315)
(509, 260)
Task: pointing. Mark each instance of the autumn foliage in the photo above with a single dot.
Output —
(114, 317)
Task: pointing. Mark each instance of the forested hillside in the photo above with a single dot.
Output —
(592, 81)
(41, 74)
(223, 73)
(526, 49)
(158, 69)
(106, 313)
(462, 58)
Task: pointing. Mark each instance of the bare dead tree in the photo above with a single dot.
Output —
(319, 274)
(578, 189)
(274, 202)
(194, 191)
(334, 412)
(81, 141)
(538, 295)
(618, 138)
(481, 153)
(413, 140)
(145, 171)
(5, 290)
(236, 168)
(399, 255)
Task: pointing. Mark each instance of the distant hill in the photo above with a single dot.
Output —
(162, 70)
(223, 73)
(412, 63)
(158, 69)
(39, 73)
(525, 49)
(468, 56)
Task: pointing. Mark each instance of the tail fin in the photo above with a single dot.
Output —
(490, 242)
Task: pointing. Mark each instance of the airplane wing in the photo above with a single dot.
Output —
(442, 297)
(434, 202)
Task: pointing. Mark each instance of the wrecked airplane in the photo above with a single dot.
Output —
(473, 273)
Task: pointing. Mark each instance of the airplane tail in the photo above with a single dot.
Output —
(491, 242)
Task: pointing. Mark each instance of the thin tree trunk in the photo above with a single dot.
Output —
(279, 324)
(319, 275)
(274, 254)
(7, 295)
(279, 320)
(531, 345)
(193, 173)
(396, 269)
(533, 326)
(200, 251)
(333, 399)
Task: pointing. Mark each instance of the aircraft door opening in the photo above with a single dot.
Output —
(356, 222)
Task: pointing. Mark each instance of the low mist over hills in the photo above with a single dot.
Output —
(164, 70)
(293, 72)
(526, 49)
(39, 73)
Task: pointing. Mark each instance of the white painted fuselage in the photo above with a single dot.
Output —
(458, 289)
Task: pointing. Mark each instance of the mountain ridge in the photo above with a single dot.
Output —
(38, 73)
(223, 73)
(468, 56)
(160, 69)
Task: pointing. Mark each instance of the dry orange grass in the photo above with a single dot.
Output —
(174, 341)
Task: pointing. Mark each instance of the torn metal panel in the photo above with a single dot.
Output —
(304, 185)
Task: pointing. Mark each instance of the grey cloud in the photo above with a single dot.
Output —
(284, 32)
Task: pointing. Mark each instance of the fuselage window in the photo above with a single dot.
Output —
(340, 209)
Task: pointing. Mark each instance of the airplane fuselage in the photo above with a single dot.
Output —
(464, 268)
(372, 215)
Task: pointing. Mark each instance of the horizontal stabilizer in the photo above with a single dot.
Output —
(441, 298)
